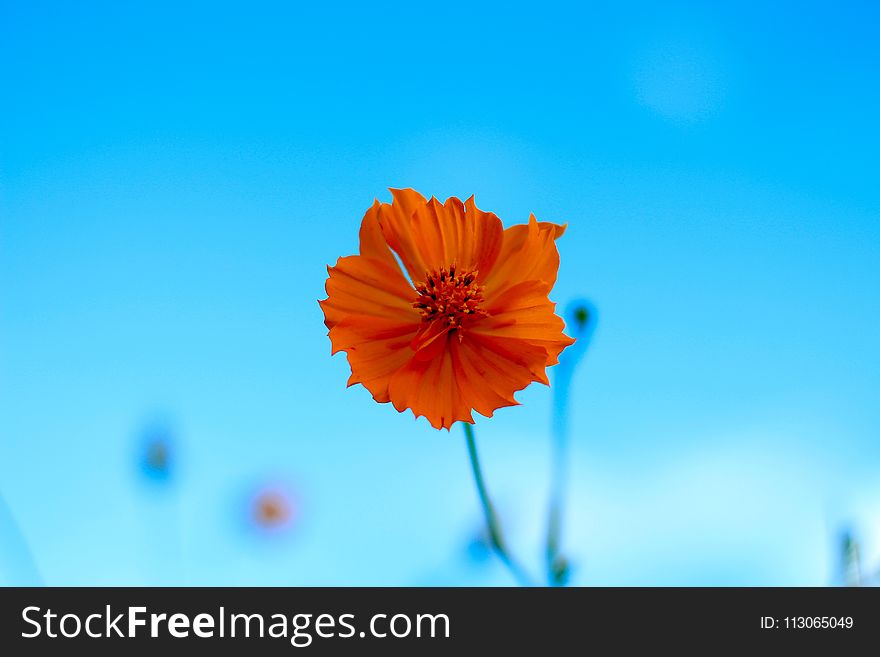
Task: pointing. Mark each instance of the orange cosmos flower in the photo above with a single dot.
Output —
(471, 324)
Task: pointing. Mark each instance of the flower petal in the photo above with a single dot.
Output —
(457, 233)
(490, 370)
(524, 312)
(528, 252)
(428, 235)
(430, 340)
(369, 310)
(362, 285)
(429, 388)
(372, 241)
(488, 238)
(397, 227)
(376, 348)
(477, 383)
(513, 363)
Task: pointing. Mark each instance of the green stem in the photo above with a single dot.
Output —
(496, 538)
(555, 562)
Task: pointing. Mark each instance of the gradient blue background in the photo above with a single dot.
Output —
(174, 177)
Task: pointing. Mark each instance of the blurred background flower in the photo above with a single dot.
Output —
(272, 510)
(156, 452)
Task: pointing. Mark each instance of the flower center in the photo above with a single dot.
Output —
(449, 295)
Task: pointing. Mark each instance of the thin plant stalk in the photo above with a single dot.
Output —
(555, 563)
(581, 319)
(16, 558)
(496, 538)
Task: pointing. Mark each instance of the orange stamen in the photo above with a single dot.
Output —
(449, 296)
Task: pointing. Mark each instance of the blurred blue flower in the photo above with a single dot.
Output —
(156, 455)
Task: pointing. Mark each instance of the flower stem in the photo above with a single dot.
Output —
(581, 317)
(496, 538)
(557, 565)
(16, 557)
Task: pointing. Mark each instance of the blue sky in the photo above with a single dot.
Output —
(174, 180)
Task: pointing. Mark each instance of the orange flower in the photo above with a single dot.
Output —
(471, 324)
